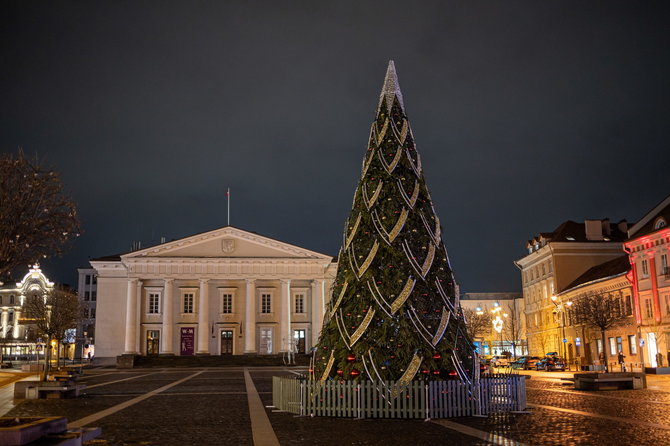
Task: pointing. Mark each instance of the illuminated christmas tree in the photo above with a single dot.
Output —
(394, 312)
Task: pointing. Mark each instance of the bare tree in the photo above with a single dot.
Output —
(53, 315)
(477, 325)
(512, 328)
(542, 339)
(599, 310)
(36, 218)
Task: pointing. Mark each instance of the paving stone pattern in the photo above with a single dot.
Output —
(211, 409)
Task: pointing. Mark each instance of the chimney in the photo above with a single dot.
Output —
(623, 226)
(594, 229)
(606, 227)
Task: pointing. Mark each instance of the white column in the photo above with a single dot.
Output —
(203, 319)
(285, 319)
(316, 309)
(168, 318)
(5, 321)
(17, 327)
(250, 318)
(131, 317)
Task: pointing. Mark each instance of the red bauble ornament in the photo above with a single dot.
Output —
(437, 356)
(354, 372)
(436, 372)
(351, 357)
(425, 372)
(452, 373)
(340, 372)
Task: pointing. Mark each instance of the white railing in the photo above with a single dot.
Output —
(418, 399)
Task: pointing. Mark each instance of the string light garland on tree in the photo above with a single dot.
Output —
(394, 313)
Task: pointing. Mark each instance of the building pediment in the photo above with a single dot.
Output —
(227, 242)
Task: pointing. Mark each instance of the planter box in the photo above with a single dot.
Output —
(125, 361)
(657, 370)
(610, 381)
(32, 368)
(32, 428)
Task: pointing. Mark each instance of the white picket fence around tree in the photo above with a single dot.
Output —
(419, 399)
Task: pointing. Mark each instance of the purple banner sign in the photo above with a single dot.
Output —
(187, 341)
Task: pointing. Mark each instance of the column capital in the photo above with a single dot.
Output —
(204, 280)
(285, 281)
(250, 280)
(168, 280)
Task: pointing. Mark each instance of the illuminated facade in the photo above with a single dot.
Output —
(583, 345)
(649, 257)
(226, 291)
(17, 335)
(554, 261)
(506, 307)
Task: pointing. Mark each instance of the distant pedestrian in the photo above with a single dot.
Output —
(621, 358)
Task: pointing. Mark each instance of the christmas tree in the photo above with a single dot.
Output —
(394, 312)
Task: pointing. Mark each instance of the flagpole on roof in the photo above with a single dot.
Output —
(228, 199)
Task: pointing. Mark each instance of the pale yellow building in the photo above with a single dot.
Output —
(554, 261)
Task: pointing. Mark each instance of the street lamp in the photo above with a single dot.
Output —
(560, 308)
(498, 322)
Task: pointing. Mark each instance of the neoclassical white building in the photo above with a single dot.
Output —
(226, 291)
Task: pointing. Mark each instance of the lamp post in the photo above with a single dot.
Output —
(560, 308)
(498, 322)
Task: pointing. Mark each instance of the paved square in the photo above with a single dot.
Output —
(201, 406)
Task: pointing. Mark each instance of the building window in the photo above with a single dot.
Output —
(645, 268)
(87, 279)
(667, 304)
(660, 223)
(299, 303)
(87, 295)
(632, 345)
(649, 308)
(92, 313)
(619, 344)
(664, 265)
(11, 299)
(613, 350)
(629, 306)
(227, 303)
(266, 303)
(154, 303)
(94, 280)
(188, 302)
(94, 295)
(544, 272)
(551, 268)
(86, 313)
(599, 346)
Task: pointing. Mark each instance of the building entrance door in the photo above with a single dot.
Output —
(226, 342)
(265, 341)
(153, 342)
(299, 340)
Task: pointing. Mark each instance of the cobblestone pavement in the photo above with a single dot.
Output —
(211, 408)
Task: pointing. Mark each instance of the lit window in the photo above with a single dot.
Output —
(613, 350)
(266, 303)
(632, 345)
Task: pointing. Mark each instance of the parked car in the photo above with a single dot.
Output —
(526, 362)
(551, 363)
(499, 361)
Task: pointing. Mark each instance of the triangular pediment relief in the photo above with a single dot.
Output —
(227, 242)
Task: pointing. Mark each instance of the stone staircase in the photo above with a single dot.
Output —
(217, 361)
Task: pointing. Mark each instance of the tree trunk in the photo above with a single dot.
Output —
(602, 334)
(47, 358)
